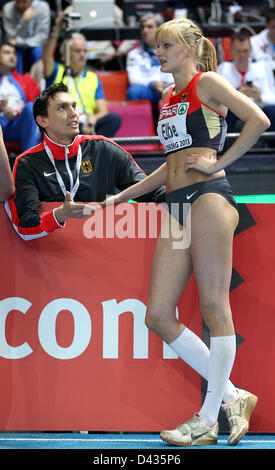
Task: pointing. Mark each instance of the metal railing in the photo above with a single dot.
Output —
(266, 136)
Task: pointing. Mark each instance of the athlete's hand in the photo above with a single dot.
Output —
(117, 199)
(207, 165)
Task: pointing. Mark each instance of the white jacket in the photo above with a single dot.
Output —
(259, 73)
(143, 68)
(30, 34)
(262, 47)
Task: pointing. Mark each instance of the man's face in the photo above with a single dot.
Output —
(62, 121)
(148, 31)
(8, 59)
(78, 54)
(22, 5)
(271, 28)
(240, 52)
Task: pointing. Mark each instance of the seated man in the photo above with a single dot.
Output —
(143, 67)
(17, 92)
(26, 23)
(67, 167)
(254, 79)
(84, 85)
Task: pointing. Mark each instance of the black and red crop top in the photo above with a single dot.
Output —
(185, 121)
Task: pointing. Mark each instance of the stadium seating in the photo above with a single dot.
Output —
(115, 84)
(137, 121)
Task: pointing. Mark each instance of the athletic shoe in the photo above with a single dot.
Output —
(238, 413)
(192, 433)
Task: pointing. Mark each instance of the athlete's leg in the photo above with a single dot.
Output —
(170, 272)
(214, 221)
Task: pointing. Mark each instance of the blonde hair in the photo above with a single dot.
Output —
(187, 32)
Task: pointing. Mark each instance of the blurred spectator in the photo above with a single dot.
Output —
(143, 67)
(26, 23)
(84, 85)
(108, 55)
(263, 44)
(254, 79)
(17, 92)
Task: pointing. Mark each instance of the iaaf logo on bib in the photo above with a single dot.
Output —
(170, 111)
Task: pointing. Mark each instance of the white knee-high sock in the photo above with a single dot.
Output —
(222, 355)
(192, 350)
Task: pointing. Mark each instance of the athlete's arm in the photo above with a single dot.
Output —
(218, 93)
(147, 185)
(6, 179)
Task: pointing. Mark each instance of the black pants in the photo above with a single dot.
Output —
(179, 200)
(107, 125)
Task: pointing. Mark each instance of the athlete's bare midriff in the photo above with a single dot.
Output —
(177, 177)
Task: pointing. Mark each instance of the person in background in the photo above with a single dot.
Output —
(253, 79)
(26, 23)
(143, 67)
(263, 43)
(17, 92)
(84, 84)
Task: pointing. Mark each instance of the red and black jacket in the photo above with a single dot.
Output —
(106, 169)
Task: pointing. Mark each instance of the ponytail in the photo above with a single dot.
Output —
(208, 58)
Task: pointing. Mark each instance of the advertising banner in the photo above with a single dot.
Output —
(75, 353)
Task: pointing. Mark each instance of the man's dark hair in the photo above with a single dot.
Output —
(269, 15)
(40, 104)
(242, 35)
(7, 43)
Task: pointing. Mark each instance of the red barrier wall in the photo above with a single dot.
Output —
(74, 351)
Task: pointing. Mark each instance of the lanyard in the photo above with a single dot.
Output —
(72, 83)
(73, 187)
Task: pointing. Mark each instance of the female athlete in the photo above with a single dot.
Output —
(192, 129)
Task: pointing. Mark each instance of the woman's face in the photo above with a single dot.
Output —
(171, 54)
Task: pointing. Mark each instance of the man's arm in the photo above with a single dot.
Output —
(6, 179)
(50, 45)
(69, 209)
(24, 207)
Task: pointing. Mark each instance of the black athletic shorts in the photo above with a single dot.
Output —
(189, 194)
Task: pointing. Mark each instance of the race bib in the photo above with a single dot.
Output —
(172, 127)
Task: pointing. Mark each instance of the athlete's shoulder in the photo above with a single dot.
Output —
(167, 90)
(209, 80)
